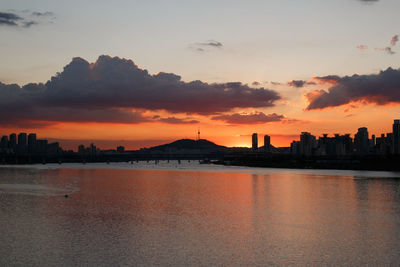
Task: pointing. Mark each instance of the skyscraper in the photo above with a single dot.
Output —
(32, 143)
(254, 141)
(4, 144)
(267, 143)
(361, 141)
(308, 143)
(22, 141)
(13, 143)
(396, 137)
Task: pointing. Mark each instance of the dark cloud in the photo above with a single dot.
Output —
(255, 118)
(300, 83)
(173, 120)
(297, 83)
(12, 19)
(107, 91)
(255, 83)
(9, 19)
(382, 88)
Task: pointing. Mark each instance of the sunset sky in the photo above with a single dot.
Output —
(143, 73)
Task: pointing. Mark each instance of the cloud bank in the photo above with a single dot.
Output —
(110, 88)
(380, 89)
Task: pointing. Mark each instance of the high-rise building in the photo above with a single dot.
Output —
(254, 141)
(13, 143)
(22, 141)
(32, 143)
(4, 144)
(308, 143)
(361, 141)
(41, 146)
(267, 143)
(396, 137)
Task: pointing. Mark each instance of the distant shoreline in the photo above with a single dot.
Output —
(193, 166)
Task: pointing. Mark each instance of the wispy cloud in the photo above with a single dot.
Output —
(43, 14)
(174, 120)
(368, 1)
(252, 118)
(206, 46)
(388, 49)
(394, 40)
(27, 20)
(362, 47)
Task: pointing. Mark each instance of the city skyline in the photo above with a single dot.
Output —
(134, 75)
(358, 143)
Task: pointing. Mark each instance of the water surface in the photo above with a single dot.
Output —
(173, 214)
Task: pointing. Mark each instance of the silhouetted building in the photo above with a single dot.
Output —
(4, 144)
(396, 137)
(361, 141)
(295, 148)
(13, 143)
(307, 144)
(254, 142)
(32, 143)
(22, 142)
(81, 149)
(267, 143)
(121, 149)
(384, 144)
(53, 148)
(41, 146)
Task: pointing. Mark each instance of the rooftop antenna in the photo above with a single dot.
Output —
(198, 134)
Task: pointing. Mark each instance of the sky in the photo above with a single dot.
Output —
(143, 73)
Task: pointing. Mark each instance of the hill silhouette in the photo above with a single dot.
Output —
(189, 144)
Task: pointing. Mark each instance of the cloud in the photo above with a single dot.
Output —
(110, 88)
(43, 14)
(9, 19)
(30, 23)
(369, 1)
(25, 21)
(380, 89)
(174, 120)
(394, 40)
(206, 46)
(300, 83)
(276, 83)
(297, 83)
(362, 47)
(255, 118)
(386, 49)
(211, 43)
